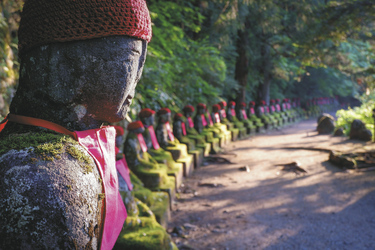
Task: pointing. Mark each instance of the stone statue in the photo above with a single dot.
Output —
(200, 139)
(242, 116)
(252, 115)
(202, 126)
(147, 117)
(166, 139)
(223, 119)
(232, 117)
(60, 191)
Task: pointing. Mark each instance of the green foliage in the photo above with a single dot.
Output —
(363, 113)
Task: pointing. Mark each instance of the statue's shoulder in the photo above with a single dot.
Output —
(40, 167)
(34, 148)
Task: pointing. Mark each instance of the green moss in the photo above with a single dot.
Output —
(101, 196)
(143, 233)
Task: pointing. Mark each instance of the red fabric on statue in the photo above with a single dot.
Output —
(217, 117)
(183, 128)
(191, 123)
(210, 119)
(233, 113)
(142, 142)
(204, 122)
(244, 114)
(252, 111)
(100, 143)
(155, 143)
(169, 130)
(123, 169)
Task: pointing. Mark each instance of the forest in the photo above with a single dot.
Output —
(241, 50)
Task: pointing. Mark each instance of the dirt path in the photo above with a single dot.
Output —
(222, 207)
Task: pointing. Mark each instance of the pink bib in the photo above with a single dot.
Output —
(169, 130)
(217, 117)
(123, 169)
(155, 143)
(210, 119)
(233, 112)
(142, 142)
(100, 143)
(244, 114)
(183, 128)
(191, 123)
(252, 111)
(204, 122)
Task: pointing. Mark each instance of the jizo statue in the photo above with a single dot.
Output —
(80, 64)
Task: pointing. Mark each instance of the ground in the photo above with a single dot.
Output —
(222, 207)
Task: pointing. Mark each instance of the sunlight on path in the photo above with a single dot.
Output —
(273, 209)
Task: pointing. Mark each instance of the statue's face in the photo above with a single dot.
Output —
(147, 121)
(97, 75)
(113, 73)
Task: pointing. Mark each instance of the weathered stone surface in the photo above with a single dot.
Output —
(326, 124)
(50, 201)
(359, 131)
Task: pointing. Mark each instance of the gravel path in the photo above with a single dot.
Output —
(222, 207)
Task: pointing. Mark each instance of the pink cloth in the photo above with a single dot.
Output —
(244, 114)
(262, 110)
(123, 169)
(204, 122)
(252, 111)
(273, 109)
(169, 130)
(217, 117)
(210, 119)
(268, 109)
(142, 142)
(183, 128)
(223, 113)
(278, 107)
(100, 143)
(233, 113)
(191, 123)
(155, 143)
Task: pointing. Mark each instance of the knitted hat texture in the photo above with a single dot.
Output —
(50, 21)
(243, 105)
(232, 103)
(135, 125)
(252, 103)
(216, 108)
(223, 104)
(178, 116)
(163, 111)
(119, 130)
(201, 105)
(146, 112)
(188, 108)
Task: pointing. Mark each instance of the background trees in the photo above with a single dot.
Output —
(205, 51)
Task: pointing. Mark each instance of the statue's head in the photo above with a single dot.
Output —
(178, 117)
(164, 115)
(243, 105)
(188, 110)
(86, 55)
(223, 104)
(201, 108)
(147, 116)
(136, 127)
(251, 104)
(232, 104)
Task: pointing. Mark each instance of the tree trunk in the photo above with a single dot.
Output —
(242, 65)
(264, 87)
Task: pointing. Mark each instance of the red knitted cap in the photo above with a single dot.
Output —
(262, 102)
(223, 104)
(232, 103)
(188, 108)
(177, 116)
(272, 101)
(243, 104)
(163, 111)
(135, 125)
(252, 103)
(119, 130)
(201, 105)
(146, 112)
(216, 108)
(51, 21)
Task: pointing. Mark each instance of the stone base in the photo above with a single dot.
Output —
(235, 133)
(188, 165)
(197, 157)
(178, 175)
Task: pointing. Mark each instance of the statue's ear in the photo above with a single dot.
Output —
(142, 60)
